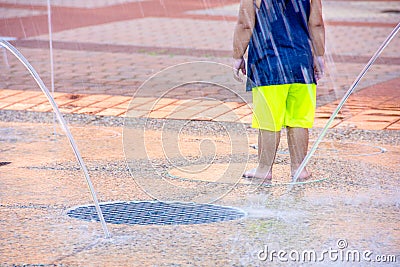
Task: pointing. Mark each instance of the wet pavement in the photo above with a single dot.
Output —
(356, 200)
(190, 140)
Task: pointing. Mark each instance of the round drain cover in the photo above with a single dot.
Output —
(158, 213)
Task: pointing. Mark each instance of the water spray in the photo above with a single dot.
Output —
(343, 101)
(64, 126)
(51, 55)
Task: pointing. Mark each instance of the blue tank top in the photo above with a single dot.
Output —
(280, 48)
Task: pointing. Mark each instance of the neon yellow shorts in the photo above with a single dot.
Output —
(286, 105)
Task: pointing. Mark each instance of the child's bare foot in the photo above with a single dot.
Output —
(257, 173)
(304, 175)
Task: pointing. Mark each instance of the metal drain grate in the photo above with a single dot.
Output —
(157, 213)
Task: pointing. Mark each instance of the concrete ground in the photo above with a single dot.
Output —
(146, 89)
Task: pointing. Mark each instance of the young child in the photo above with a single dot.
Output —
(285, 40)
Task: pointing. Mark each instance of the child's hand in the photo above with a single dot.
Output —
(238, 65)
(319, 67)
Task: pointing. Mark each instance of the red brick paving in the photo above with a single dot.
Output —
(70, 18)
(375, 107)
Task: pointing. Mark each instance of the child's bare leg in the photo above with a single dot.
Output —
(268, 142)
(298, 146)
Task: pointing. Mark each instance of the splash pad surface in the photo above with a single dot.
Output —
(99, 63)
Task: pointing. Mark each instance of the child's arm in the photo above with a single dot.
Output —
(317, 28)
(317, 34)
(242, 34)
(244, 28)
